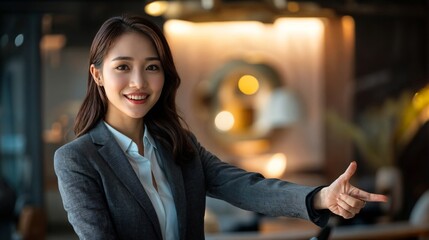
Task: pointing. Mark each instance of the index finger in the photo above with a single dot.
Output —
(370, 197)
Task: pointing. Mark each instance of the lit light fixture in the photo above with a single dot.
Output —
(156, 8)
(248, 84)
(224, 121)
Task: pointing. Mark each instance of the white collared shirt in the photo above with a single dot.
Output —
(162, 200)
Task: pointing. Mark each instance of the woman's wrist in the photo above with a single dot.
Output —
(318, 200)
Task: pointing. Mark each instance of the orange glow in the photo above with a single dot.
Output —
(348, 24)
(294, 45)
(293, 7)
(270, 165)
(302, 26)
(178, 27)
(276, 165)
(52, 42)
(156, 8)
(247, 28)
(248, 84)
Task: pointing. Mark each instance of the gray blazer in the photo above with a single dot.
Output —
(105, 200)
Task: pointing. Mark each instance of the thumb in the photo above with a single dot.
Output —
(350, 171)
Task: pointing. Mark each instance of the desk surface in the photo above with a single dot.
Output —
(391, 231)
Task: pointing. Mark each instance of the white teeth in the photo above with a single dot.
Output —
(137, 97)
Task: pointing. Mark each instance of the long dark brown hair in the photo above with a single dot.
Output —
(163, 121)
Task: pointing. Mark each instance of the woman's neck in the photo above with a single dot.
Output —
(132, 128)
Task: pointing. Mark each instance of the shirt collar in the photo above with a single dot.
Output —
(126, 143)
(147, 138)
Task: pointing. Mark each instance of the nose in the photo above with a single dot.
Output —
(138, 80)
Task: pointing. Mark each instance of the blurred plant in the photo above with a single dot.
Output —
(414, 116)
(381, 131)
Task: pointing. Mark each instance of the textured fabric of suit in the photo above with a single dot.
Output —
(105, 200)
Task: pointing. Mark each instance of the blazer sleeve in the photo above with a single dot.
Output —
(82, 195)
(251, 191)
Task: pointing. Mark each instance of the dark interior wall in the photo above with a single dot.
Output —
(391, 46)
(391, 56)
(77, 19)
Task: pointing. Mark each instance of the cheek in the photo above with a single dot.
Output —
(158, 84)
(161, 85)
(115, 82)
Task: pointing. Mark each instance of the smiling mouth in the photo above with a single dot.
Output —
(136, 97)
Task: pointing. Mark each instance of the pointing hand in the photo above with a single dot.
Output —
(344, 199)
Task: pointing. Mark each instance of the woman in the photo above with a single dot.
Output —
(135, 173)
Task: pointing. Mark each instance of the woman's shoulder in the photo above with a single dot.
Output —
(76, 156)
(79, 144)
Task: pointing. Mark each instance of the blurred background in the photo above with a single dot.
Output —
(295, 90)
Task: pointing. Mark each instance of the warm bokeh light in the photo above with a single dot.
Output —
(348, 24)
(293, 45)
(156, 8)
(52, 42)
(204, 30)
(301, 26)
(276, 166)
(421, 99)
(224, 121)
(270, 165)
(179, 27)
(248, 84)
(413, 116)
(293, 7)
(252, 147)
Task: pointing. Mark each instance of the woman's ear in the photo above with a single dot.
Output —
(96, 75)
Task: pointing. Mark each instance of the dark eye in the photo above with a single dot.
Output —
(122, 67)
(152, 68)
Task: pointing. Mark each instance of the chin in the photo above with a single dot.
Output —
(136, 115)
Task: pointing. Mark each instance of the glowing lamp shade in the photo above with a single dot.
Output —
(224, 121)
(248, 84)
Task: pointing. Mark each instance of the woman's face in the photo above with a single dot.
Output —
(132, 77)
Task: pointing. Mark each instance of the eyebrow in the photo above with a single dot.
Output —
(130, 58)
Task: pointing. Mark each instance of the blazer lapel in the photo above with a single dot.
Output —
(173, 173)
(115, 157)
